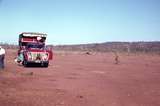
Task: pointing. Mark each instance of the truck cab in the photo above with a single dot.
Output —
(32, 49)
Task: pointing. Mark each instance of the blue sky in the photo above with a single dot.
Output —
(81, 21)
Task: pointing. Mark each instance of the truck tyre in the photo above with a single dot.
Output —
(25, 64)
(45, 65)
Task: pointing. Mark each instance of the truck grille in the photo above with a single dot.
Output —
(41, 56)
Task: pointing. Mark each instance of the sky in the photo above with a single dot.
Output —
(81, 21)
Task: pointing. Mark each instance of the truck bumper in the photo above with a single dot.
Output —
(35, 63)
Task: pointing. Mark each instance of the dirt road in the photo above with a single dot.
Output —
(79, 79)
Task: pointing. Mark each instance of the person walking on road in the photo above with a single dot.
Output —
(2, 56)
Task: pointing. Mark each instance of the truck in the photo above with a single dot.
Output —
(32, 49)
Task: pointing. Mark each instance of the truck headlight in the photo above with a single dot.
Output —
(45, 56)
(29, 56)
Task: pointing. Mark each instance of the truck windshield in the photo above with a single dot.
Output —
(35, 46)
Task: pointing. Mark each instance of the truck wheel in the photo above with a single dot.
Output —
(25, 64)
(45, 64)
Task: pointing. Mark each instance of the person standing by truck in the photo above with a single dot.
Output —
(2, 56)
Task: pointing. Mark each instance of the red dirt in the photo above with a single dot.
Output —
(83, 80)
